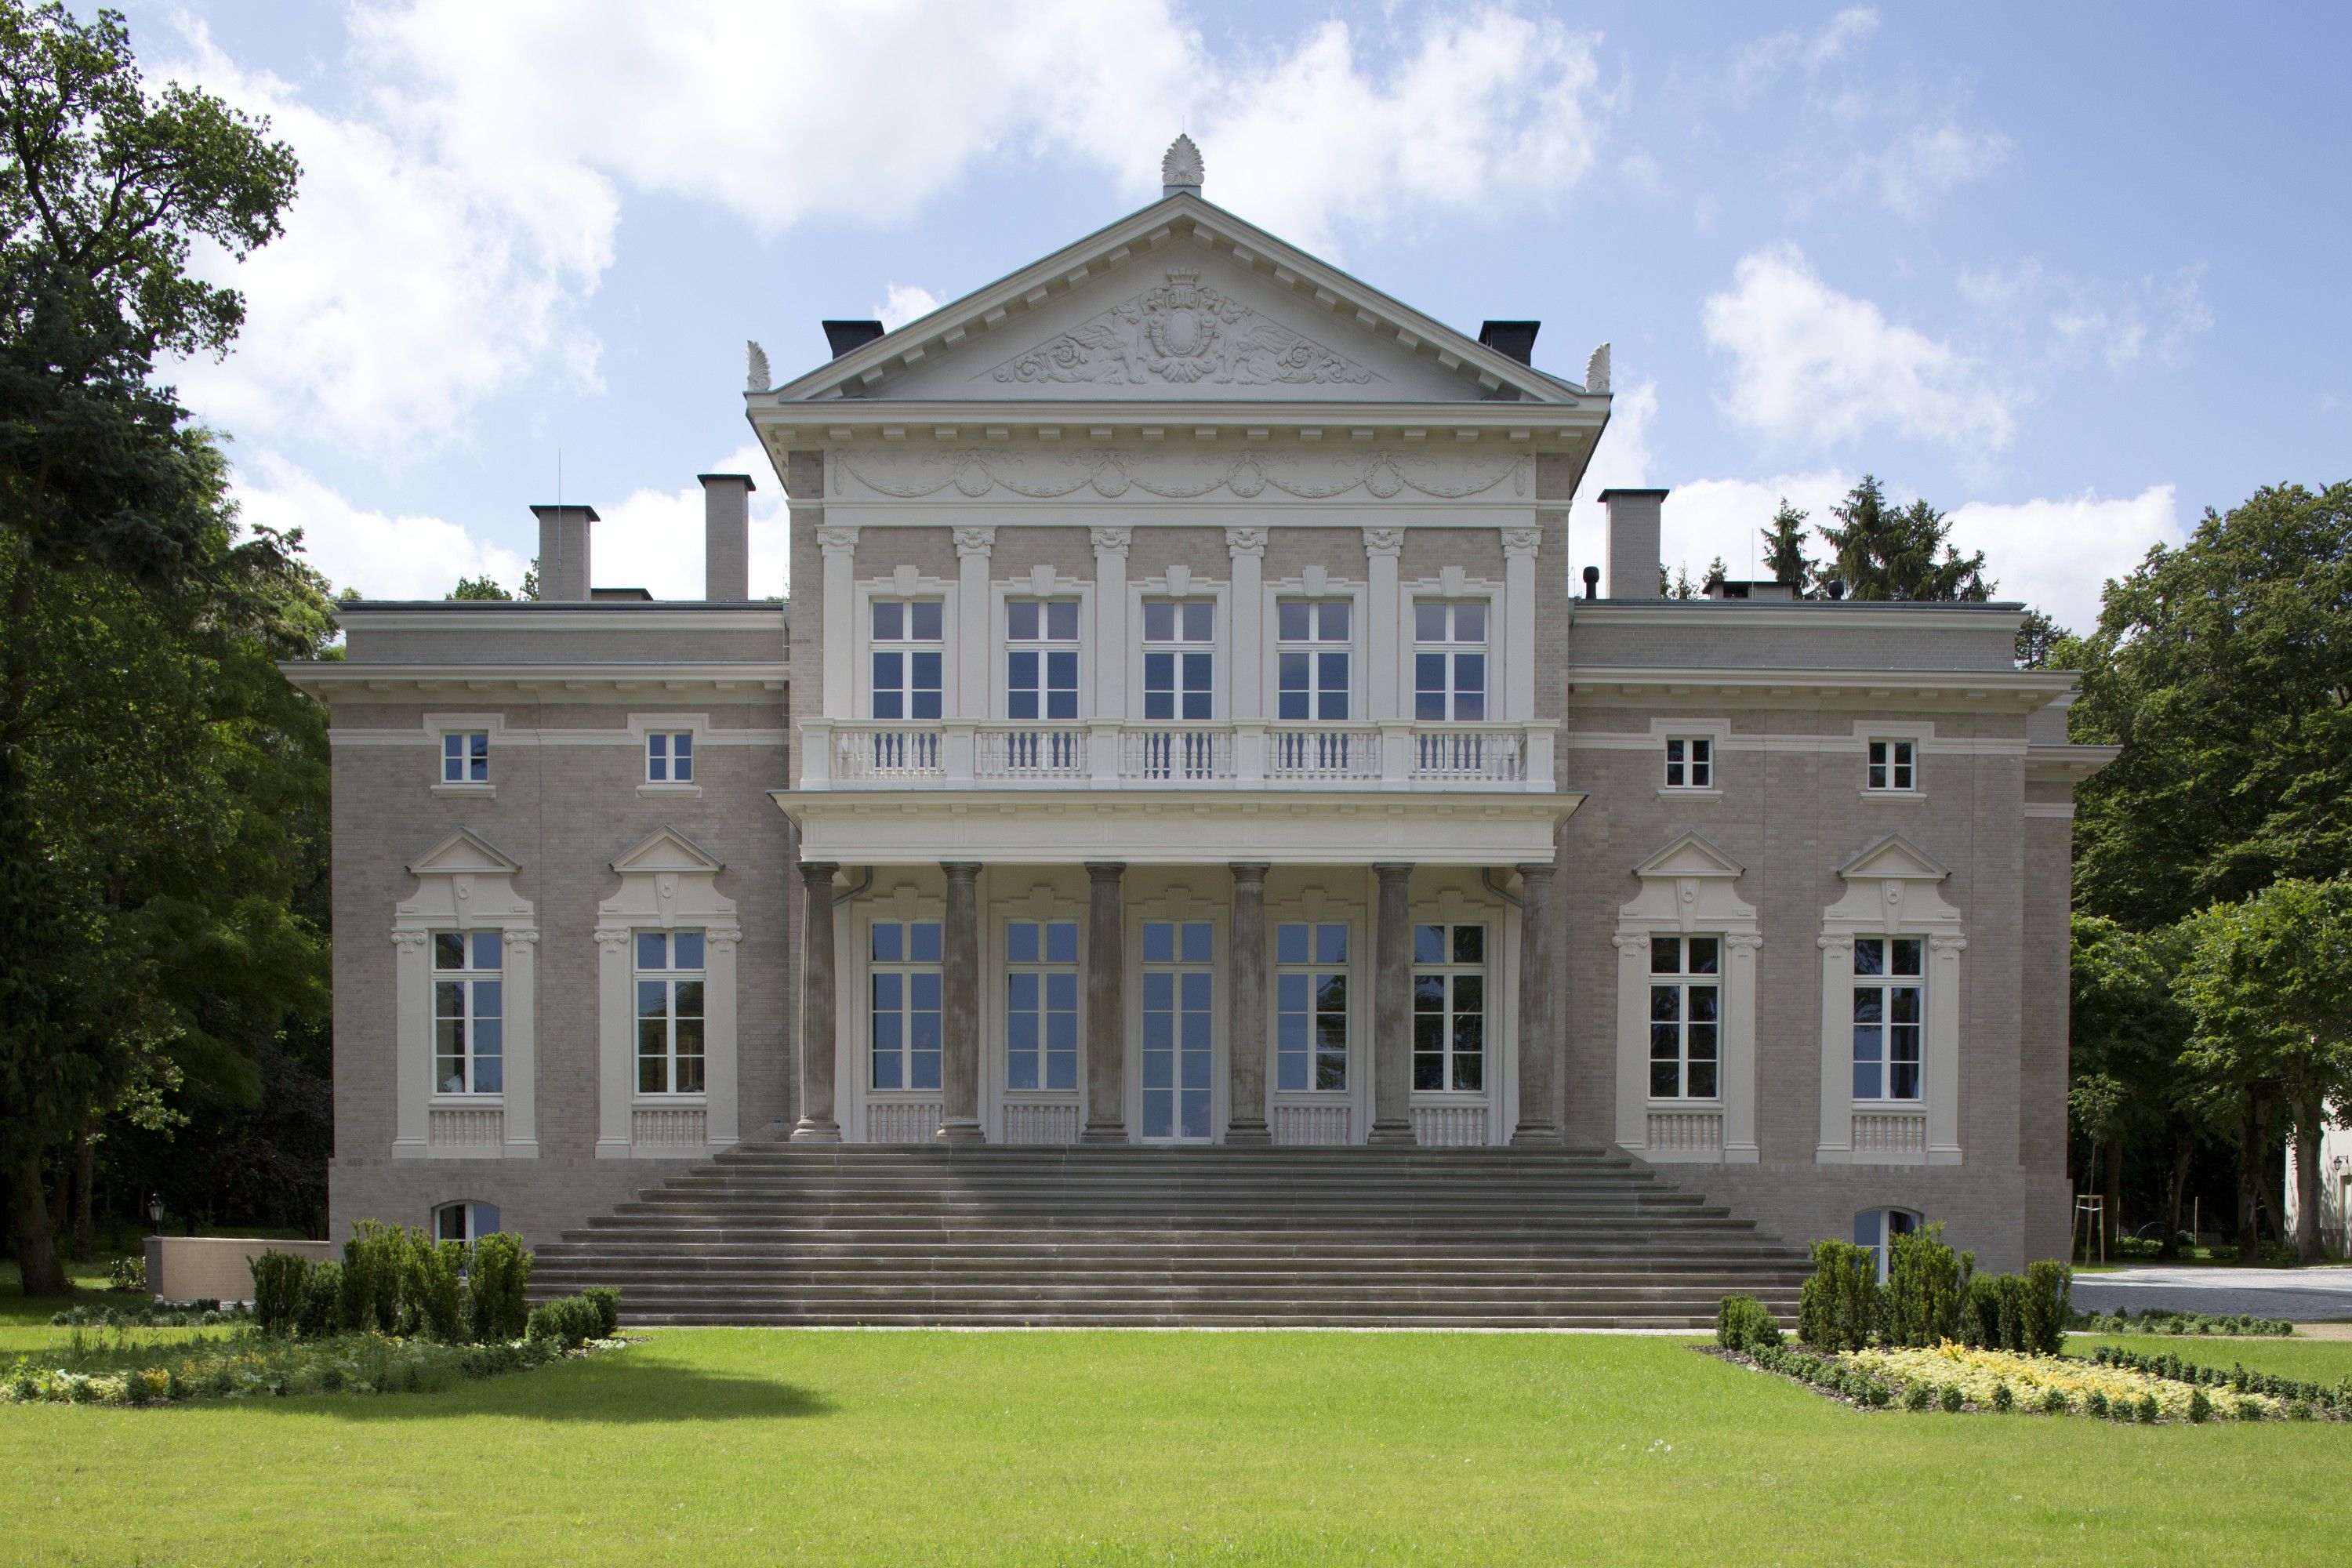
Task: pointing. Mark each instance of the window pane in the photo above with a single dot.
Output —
(1290, 946)
(1196, 942)
(1869, 956)
(1334, 618)
(686, 1000)
(1666, 955)
(1907, 954)
(1061, 620)
(1200, 620)
(1704, 954)
(652, 999)
(1666, 1076)
(1158, 621)
(448, 949)
(1429, 620)
(1429, 944)
(1293, 618)
(1021, 619)
(888, 620)
(1703, 1000)
(1062, 941)
(685, 949)
(1469, 944)
(1331, 944)
(890, 942)
(1158, 945)
(1470, 622)
(923, 620)
(1021, 943)
(1666, 1004)
(652, 949)
(923, 942)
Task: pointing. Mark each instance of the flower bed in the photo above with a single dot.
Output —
(2162, 1320)
(2087, 1387)
(115, 1369)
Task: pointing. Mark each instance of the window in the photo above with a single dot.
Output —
(1311, 659)
(467, 1007)
(1889, 1012)
(465, 756)
(669, 756)
(464, 1222)
(670, 1012)
(906, 957)
(1179, 658)
(1041, 1004)
(1690, 762)
(1685, 1016)
(1449, 1007)
(1877, 1228)
(1179, 980)
(906, 654)
(1041, 658)
(1449, 659)
(1891, 765)
(1310, 1000)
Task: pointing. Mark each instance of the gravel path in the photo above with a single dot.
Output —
(2300, 1294)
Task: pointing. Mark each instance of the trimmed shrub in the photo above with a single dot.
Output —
(321, 1311)
(431, 1289)
(1840, 1304)
(499, 1272)
(2095, 1402)
(373, 1265)
(1925, 1284)
(2200, 1406)
(1980, 1314)
(606, 1300)
(1950, 1398)
(2046, 1306)
(2004, 1399)
(1741, 1324)
(569, 1320)
(281, 1282)
(2054, 1402)
(2149, 1412)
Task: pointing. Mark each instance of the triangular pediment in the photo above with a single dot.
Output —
(1895, 855)
(665, 849)
(463, 852)
(1690, 854)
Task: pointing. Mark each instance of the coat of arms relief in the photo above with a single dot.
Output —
(1183, 332)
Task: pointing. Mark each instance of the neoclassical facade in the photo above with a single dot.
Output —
(1186, 725)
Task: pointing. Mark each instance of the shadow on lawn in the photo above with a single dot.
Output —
(615, 1388)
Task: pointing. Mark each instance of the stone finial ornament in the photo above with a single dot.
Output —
(755, 368)
(1181, 170)
(1596, 370)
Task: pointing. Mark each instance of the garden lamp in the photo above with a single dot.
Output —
(155, 1211)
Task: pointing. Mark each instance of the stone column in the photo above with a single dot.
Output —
(1245, 1063)
(1385, 614)
(819, 992)
(1106, 1004)
(1537, 1048)
(960, 1007)
(1245, 697)
(1393, 1008)
(973, 688)
(840, 617)
(1518, 670)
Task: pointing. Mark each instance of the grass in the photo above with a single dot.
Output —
(905, 1449)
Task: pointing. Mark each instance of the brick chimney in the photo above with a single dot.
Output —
(1633, 543)
(726, 536)
(563, 552)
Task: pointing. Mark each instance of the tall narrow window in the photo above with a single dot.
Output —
(1041, 658)
(1690, 762)
(465, 756)
(1891, 765)
(906, 1018)
(468, 1010)
(1310, 1005)
(1449, 1007)
(1041, 1004)
(1685, 1016)
(670, 1012)
(1312, 642)
(1179, 658)
(1449, 659)
(1889, 1010)
(669, 756)
(907, 653)
(1179, 981)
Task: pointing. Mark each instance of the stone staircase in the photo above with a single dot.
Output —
(783, 1234)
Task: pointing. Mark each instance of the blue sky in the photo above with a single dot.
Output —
(2074, 274)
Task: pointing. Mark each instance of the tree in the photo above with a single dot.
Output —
(2128, 1031)
(1784, 550)
(2269, 982)
(482, 588)
(1882, 553)
(2039, 638)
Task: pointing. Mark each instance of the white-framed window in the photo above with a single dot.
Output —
(1890, 1013)
(465, 756)
(1877, 1228)
(1310, 1005)
(670, 1012)
(469, 1012)
(1179, 1027)
(1041, 658)
(1312, 667)
(1449, 1007)
(1179, 659)
(1690, 762)
(1449, 659)
(906, 653)
(669, 756)
(1041, 1004)
(464, 1221)
(906, 995)
(1893, 764)
(1686, 1017)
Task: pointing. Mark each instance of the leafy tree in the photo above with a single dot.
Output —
(482, 588)
(1883, 552)
(2269, 982)
(1784, 550)
(2039, 640)
(2127, 1033)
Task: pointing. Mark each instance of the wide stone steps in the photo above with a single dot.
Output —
(774, 1232)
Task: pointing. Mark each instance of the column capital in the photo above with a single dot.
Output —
(1536, 870)
(1111, 540)
(974, 542)
(836, 539)
(1250, 870)
(1391, 870)
(960, 870)
(1105, 870)
(1385, 541)
(1249, 542)
(1519, 543)
(814, 871)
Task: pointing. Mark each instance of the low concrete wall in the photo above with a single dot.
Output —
(214, 1268)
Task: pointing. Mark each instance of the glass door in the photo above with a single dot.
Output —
(1179, 1053)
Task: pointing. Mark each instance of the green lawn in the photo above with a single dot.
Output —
(900, 1448)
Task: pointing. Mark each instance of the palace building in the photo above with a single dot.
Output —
(1187, 785)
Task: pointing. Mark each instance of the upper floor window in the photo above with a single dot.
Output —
(907, 653)
(1310, 999)
(1449, 659)
(1889, 1016)
(465, 756)
(670, 1012)
(1892, 765)
(906, 997)
(1690, 762)
(1449, 1006)
(1041, 1004)
(669, 756)
(1685, 1013)
(1179, 658)
(468, 1010)
(1311, 638)
(1041, 658)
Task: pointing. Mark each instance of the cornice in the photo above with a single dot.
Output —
(396, 615)
(2009, 689)
(964, 421)
(1813, 614)
(332, 678)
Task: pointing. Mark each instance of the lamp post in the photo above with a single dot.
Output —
(155, 1211)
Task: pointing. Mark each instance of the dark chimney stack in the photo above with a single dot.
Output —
(846, 337)
(1513, 340)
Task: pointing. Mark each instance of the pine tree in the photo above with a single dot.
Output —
(1784, 549)
(1883, 552)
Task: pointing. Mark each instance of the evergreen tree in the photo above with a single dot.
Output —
(1784, 550)
(1887, 552)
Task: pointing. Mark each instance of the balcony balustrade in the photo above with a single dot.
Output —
(1117, 753)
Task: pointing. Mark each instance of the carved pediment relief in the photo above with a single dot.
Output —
(1690, 855)
(1184, 333)
(1895, 855)
(666, 849)
(462, 852)
(1180, 474)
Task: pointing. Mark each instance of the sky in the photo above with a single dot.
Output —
(2073, 273)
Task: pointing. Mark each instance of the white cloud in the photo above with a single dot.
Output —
(383, 557)
(2058, 555)
(2061, 318)
(653, 539)
(1912, 172)
(1811, 365)
(1704, 519)
(904, 302)
(1760, 63)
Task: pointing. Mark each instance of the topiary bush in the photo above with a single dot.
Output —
(2045, 1305)
(569, 1320)
(1745, 1323)
(432, 1288)
(321, 1314)
(281, 1283)
(1927, 1282)
(1840, 1304)
(496, 1281)
(606, 1300)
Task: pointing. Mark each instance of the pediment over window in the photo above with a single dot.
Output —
(1691, 854)
(1895, 855)
(666, 849)
(1687, 886)
(463, 853)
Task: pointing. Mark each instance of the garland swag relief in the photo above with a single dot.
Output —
(1182, 332)
(1180, 475)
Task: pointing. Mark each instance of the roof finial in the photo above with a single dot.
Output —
(755, 368)
(1181, 170)
(1596, 370)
